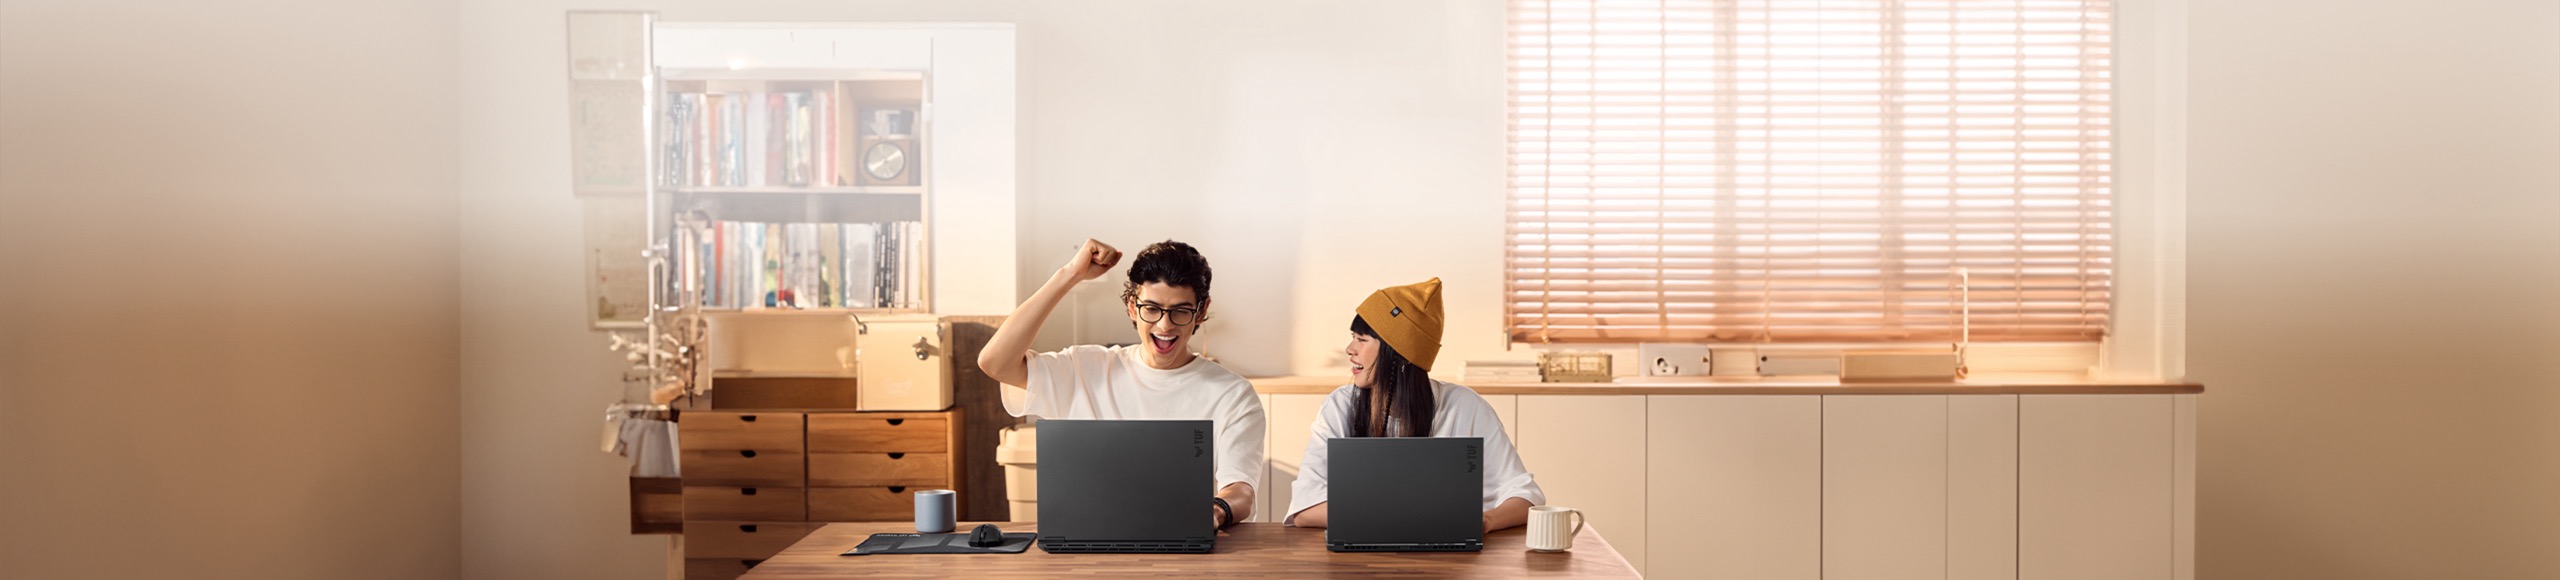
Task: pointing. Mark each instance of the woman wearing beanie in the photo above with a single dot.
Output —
(1394, 338)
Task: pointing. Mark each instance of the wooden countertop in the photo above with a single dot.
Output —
(1989, 385)
(1248, 550)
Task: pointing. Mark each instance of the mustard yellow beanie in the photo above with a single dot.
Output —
(1408, 318)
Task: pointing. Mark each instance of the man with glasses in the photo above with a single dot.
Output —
(1167, 298)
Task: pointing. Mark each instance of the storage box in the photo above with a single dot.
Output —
(1576, 367)
(1898, 366)
(904, 364)
(1799, 364)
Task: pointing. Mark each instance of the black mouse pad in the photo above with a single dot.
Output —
(938, 544)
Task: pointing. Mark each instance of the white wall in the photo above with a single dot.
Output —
(227, 273)
(2375, 288)
(1314, 151)
(539, 499)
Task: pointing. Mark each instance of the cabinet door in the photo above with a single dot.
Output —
(1291, 418)
(1884, 487)
(1588, 453)
(1270, 431)
(1737, 481)
(1982, 487)
(2095, 486)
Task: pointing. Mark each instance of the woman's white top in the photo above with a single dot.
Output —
(1094, 382)
(1459, 412)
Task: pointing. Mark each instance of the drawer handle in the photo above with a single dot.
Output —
(746, 491)
(747, 418)
(750, 454)
(897, 489)
(896, 422)
(897, 456)
(749, 528)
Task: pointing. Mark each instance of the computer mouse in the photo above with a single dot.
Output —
(986, 536)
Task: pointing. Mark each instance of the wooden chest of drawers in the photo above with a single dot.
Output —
(755, 481)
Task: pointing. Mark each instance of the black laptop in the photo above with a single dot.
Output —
(1401, 494)
(1126, 486)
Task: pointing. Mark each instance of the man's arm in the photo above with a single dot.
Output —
(1005, 354)
(1237, 494)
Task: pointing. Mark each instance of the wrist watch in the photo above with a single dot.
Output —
(1226, 512)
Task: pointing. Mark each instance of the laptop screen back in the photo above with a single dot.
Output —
(1404, 490)
(1126, 481)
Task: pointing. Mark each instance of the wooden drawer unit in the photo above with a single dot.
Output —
(880, 469)
(730, 540)
(766, 467)
(717, 568)
(712, 502)
(880, 433)
(657, 505)
(735, 431)
(863, 504)
(745, 467)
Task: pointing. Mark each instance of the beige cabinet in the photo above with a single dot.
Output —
(1588, 454)
(1735, 484)
(1919, 487)
(2096, 487)
(1291, 419)
(1270, 431)
(1982, 487)
(1953, 487)
(1884, 487)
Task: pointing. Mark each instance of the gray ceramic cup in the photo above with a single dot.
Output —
(935, 511)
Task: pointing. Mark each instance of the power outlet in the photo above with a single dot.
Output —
(1672, 360)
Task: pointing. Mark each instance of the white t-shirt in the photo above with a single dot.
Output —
(1093, 382)
(1457, 412)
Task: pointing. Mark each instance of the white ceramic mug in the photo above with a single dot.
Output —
(1549, 530)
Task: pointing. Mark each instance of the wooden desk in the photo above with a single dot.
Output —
(1248, 550)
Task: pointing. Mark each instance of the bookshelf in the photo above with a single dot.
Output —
(794, 192)
(796, 189)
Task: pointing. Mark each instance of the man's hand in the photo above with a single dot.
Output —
(1091, 261)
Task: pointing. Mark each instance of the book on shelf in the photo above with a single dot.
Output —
(748, 265)
(749, 139)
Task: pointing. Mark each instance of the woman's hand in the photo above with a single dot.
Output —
(1512, 512)
(1091, 261)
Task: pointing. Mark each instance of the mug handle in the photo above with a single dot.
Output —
(1578, 521)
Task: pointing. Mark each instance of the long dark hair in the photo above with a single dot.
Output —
(1403, 392)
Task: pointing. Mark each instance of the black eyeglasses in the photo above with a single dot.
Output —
(1150, 314)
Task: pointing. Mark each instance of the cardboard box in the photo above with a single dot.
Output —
(904, 364)
(1898, 366)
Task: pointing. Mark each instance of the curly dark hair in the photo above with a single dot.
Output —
(1171, 263)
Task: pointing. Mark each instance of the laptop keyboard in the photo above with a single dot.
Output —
(1072, 546)
(1414, 547)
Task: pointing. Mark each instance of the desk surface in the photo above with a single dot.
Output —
(1248, 550)
(1984, 385)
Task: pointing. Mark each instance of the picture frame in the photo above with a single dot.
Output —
(617, 271)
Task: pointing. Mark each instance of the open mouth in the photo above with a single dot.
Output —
(1161, 342)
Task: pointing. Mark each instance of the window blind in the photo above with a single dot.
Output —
(1819, 170)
